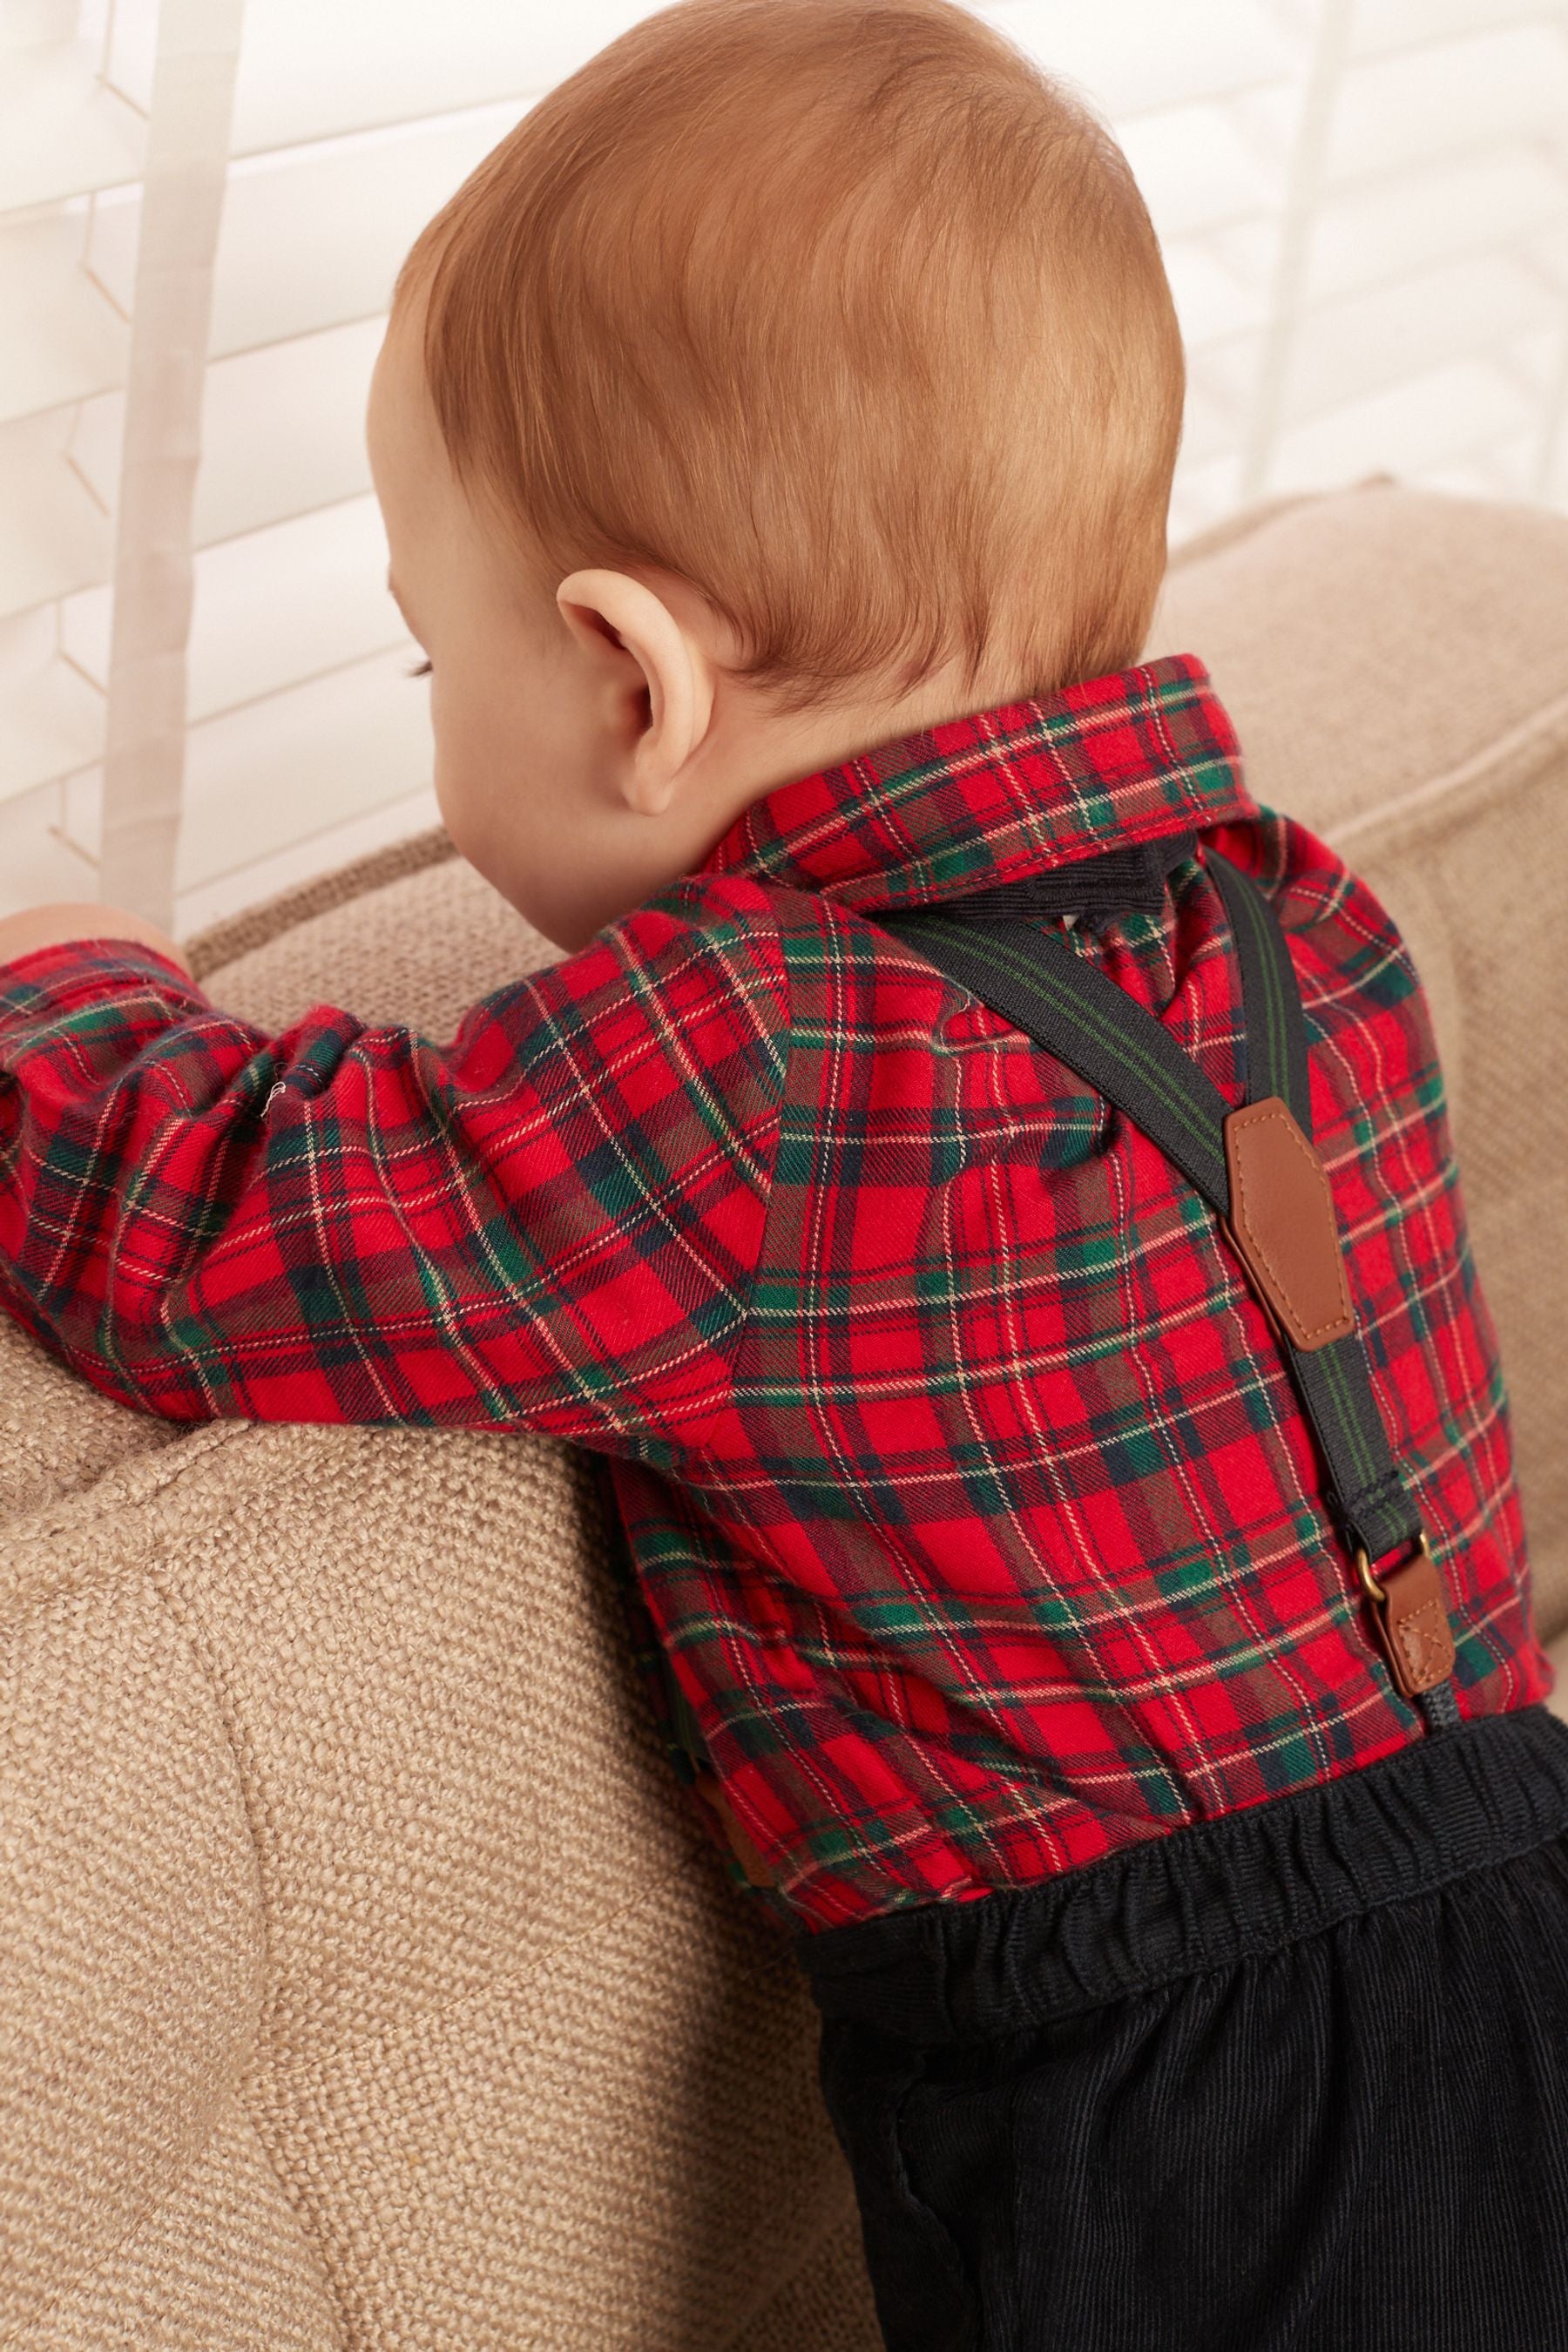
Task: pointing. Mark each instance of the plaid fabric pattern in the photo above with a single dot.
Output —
(972, 1516)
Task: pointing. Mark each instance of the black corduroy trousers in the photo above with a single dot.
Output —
(1293, 2081)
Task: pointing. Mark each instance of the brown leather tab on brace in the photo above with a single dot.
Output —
(1282, 1225)
(1413, 1623)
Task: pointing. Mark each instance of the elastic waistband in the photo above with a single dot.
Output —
(1205, 1896)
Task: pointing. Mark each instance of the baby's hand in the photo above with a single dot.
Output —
(48, 927)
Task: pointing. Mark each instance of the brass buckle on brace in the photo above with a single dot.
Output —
(1370, 1585)
(1411, 1614)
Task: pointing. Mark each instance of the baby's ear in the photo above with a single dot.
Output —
(584, 619)
(660, 677)
(584, 600)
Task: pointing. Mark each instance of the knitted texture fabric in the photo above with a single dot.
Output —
(354, 1898)
(365, 1982)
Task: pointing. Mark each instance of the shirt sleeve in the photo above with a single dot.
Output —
(552, 1223)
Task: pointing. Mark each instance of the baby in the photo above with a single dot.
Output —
(978, 1182)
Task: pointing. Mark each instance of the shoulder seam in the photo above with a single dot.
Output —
(769, 955)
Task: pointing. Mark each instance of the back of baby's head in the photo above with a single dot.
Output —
(842, 311)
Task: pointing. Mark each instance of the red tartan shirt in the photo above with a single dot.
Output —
(966, 1490)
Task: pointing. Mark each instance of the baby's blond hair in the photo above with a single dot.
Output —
(838, 309)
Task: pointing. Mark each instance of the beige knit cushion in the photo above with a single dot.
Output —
(358, 1906)
(366, 1982)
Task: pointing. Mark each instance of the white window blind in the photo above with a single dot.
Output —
(1364, 204)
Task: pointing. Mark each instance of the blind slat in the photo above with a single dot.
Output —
(282, 432)
(277, 772)
(36, 866)
(1136, 55)
(403, 61)
(1196, 171)
(1441, 212)
(1433, 420)
(270, 609)
(62, 339)
(1347, 351)
(62, 132)
(313, 238)
(1381, 25)
(55, 537)
(51, 718)
(1396, 113)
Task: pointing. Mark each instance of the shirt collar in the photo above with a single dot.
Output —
(1004, 794)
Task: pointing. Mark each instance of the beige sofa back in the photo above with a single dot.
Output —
(365, 1981)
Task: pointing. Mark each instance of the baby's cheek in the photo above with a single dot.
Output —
(461, 808)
